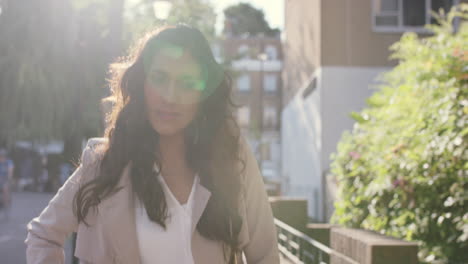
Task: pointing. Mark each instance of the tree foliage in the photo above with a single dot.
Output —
(199, 14)
(52, 69)
(140, 18)
(54, 57)
(403, 169)
(243, 18)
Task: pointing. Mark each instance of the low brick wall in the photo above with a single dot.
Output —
(319, 232)
(291, 211)
(356, 245)
(367, 247)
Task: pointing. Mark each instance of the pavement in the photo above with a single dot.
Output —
(25, 206)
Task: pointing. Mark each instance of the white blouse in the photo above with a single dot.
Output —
(172, 245)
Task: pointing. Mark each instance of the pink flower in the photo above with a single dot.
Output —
(399, 183)
(354, 155)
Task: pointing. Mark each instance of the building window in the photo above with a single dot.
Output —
(436, 5)
(243, 51)
(271, 51)
(243, 83)
(386, 12)
(270, 116)
(269, 82)
(243, 116)
(402, 15)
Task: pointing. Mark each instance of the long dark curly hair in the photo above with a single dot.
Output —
(214, 155)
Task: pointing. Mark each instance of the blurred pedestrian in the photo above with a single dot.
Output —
(43, 176)
(6, 176)
(172, 181)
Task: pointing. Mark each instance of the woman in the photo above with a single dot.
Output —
(172, 181)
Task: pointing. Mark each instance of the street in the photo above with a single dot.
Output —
(26, 205)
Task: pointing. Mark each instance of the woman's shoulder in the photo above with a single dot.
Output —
(94, 150)
(90, 159)
(96, 142)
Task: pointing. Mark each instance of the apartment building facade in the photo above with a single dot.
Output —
(334, 51)
(256, 64)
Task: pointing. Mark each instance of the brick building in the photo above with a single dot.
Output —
(255, 64)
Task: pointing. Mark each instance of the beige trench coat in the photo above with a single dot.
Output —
(111, 236)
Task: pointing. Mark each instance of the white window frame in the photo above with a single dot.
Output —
(400, 28)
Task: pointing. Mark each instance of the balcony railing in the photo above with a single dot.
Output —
(296, 247)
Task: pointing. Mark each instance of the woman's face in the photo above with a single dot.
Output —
(173, 89)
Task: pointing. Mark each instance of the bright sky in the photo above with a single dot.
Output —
(273, 9)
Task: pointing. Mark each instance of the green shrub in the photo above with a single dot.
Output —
(403, 169)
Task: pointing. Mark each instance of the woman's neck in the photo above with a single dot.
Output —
(172, 149)
(175, 170)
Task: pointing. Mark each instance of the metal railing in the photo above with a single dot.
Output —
(299, 248)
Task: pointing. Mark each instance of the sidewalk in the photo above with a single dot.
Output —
(26, 205)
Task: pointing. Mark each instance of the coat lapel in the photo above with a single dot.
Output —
(118, 215)
(201, 197)
(200, 200)
(119, 221)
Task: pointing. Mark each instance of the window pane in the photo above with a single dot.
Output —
(386, 20)
(444, 4)
(243, 51)
(243, 82)
(386, 5)
(271, 51)
(436, 5)
(269, 82)
(414, 12)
